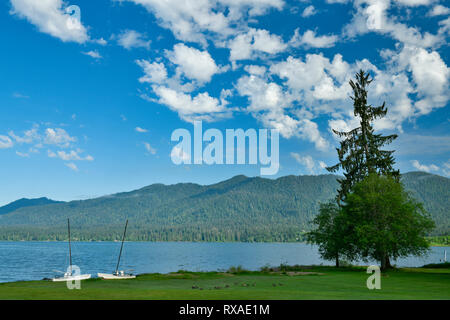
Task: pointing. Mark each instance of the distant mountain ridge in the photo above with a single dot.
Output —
(238, 209)
(24, 202)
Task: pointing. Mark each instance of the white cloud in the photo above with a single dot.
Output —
(309, 39)
(58, 136)
(415, 2)
(326, 80)
(142, 130)
(189, 20)
(154, 72)
(373, 16)
(130, 39)
(421, 167)
(149, 148)
(72, 166)
(309, 11)
(93, 54)
(322, 165)
(263, 95)
(439, 10)
(245, 45)
(101, 42)
(5, 142)
(50, 17)
(178, 155)
(446, 168)
(69, 156)
(269, 103)
(444, 26)
(200, 107)
(195, 18)
(29, 136)
(312, 166)
(193, 63)
(430, 76)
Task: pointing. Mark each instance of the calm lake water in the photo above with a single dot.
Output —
(38, 260)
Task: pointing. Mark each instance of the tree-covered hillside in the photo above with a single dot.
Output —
(238, 209)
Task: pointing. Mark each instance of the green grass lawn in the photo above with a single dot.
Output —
(321, 283)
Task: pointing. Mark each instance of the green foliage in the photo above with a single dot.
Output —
(360, 151)
(330, 233)
(382, 220)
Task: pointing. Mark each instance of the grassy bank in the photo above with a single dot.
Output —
(291, 283)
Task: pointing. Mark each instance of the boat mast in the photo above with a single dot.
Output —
(123, 238)
(70, 251)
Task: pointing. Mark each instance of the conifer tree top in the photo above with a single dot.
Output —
(360, 148)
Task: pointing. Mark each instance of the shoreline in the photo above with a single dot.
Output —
(182, 241)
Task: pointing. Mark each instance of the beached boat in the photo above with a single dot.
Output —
(118, 275)
(69, 275)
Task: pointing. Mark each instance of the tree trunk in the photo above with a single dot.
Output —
(388, 263)
(385, 263)
(337, 261)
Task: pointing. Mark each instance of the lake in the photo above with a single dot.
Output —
(38, 260)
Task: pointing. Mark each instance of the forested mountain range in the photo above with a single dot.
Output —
(239, 209)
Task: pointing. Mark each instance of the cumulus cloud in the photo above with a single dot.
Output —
(193, 20)
(429, 74)
(193, 63)
(153, 72)
(189, 108)
(130, 39)
(52, 17)
(309, 39)
(421, 167)
(439, 10)
(253, 42)
(373, 16)
(269, 103)
(309, 11)
(58, 137)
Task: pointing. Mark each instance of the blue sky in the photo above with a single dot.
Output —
(88, 106)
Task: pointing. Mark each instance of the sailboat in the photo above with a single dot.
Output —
(118, 274)
(69, 275)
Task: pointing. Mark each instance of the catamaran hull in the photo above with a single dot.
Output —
(72, 278)
(109, 276)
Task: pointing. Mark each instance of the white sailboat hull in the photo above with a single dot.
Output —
(72, 278)
(109, 276)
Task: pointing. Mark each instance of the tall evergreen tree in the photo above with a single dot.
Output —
(360, 150)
